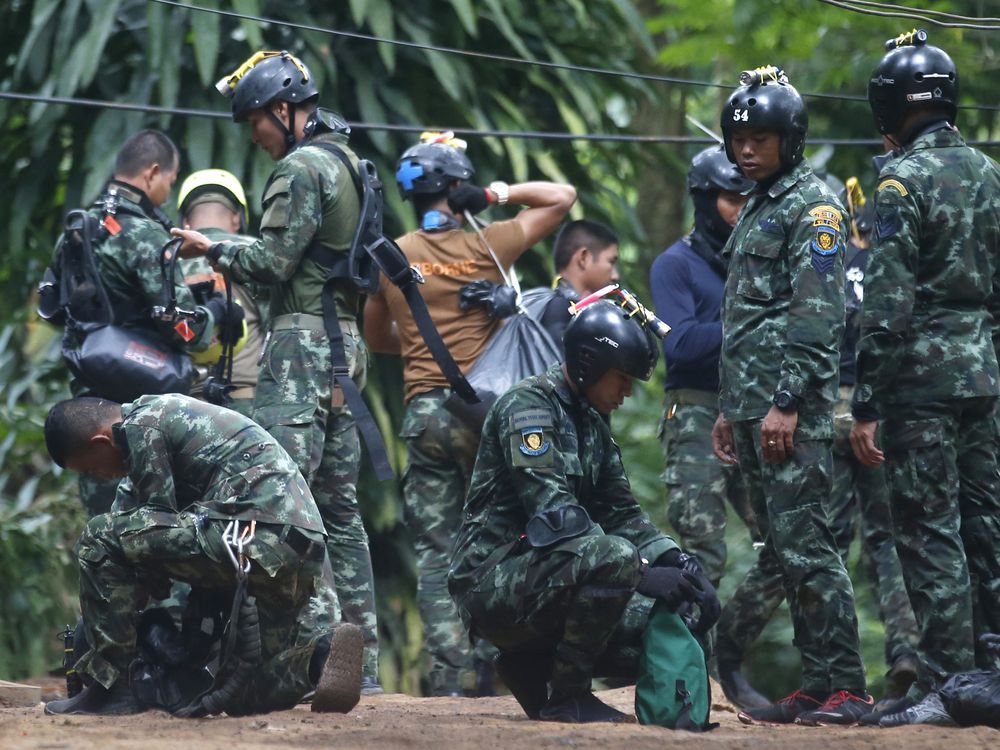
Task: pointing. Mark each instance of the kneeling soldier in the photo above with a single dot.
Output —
(551, 551)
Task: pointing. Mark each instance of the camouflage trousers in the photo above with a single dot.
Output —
(945, 494)
(800, 555)
(442, 452)
(297, 405)
(121, 553)
(854, 488)
(699, 485)
(573, 602)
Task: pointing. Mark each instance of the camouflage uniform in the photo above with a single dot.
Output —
(782, 317)
(310, 198)
(543, 449)
(926, 364)
(130, 261)
(191, 468)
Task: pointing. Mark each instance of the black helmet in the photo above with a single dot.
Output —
(911, 74)
(712, 171)
(266, 77)
(430, 166)
(766, 100)
(604, 336)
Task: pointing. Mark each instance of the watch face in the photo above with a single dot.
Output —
(783, 400)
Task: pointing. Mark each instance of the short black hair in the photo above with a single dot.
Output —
(592, 235)
(71, 423)
(143, 150)
(424, 202)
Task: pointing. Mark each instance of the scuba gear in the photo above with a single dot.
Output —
(911, 75)
(766, 100)
(604, 336)
(267, 77)
(438, 221)
(429, 167)
(206, 182)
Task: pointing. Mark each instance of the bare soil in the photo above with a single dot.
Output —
(391, 721)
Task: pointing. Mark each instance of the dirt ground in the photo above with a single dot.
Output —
(390, 721)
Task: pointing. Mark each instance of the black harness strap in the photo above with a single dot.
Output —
(388, 256)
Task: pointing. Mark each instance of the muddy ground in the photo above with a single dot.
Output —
(391, 721)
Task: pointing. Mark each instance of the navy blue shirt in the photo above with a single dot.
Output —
(687, 295)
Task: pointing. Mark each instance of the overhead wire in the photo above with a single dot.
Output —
(509, 58)
(928, 11)
(911, 14)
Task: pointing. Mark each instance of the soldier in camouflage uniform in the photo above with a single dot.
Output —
(189, 469)
(212, 202)
(549, 557)
(128, 256)
(782, 319)
(441, 448)
(926, 361)
(311, 210)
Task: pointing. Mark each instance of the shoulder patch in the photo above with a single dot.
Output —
(894, 184)
(827, 216)
(534, 442)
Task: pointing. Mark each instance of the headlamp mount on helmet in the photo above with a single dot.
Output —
(429, 167)
(910, 76)
(766, 100)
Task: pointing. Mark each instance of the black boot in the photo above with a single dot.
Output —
(581, 708)
(740, 692)
(338, 689)
(526, 676)
(97, 700)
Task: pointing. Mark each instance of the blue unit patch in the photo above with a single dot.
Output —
(533, 442)
(408, 171)
(825, 242)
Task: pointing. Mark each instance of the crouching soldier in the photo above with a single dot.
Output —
(554, 546)
(199, 480)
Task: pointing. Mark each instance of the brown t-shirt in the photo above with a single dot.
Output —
(448, 261)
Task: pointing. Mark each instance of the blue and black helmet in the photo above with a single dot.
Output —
(429, 168)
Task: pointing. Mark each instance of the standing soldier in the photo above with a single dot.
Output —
(212, 202)
(926, 361)
(783, 317)
(310, 212)
(436, 176)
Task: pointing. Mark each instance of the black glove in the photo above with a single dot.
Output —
(705, 598)
(230, 323)
(468, 198)
(499, 300)
(672, 586)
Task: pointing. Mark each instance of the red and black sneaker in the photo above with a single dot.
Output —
(842, 707)
(783, 712)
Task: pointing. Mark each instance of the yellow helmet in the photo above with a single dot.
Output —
(212, 181)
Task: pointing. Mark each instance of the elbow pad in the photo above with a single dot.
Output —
(548, 527)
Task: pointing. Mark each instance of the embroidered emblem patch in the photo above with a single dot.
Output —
(825, 242)
(533, 442)
(894, 184)
(827, 216)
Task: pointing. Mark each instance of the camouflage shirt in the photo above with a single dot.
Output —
(542, 448)
(783, 310)
(184, 454)
(129, 263)
(926, 323)
(309, 196)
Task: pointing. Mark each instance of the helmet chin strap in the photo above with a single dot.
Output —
(287, 131)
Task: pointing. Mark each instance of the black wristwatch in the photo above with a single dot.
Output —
(786, 401)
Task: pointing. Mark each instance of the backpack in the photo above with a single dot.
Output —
(672, 689)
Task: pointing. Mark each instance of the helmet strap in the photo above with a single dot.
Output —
(288, 133)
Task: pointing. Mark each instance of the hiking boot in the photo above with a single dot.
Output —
(97, 700)
(901, 676)
(339, 687)
(929, 711)
(885, 707)
(783, 712)
(371, 686)
(582, 708)
(843, 707)
(740, 692)
(526, 676)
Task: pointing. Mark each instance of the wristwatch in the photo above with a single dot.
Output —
(501, 190)
(786, 401)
